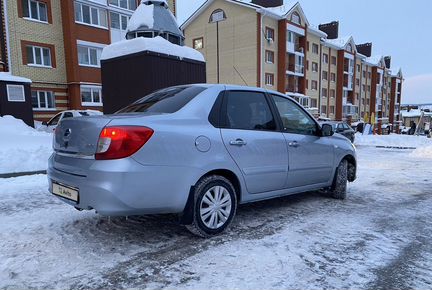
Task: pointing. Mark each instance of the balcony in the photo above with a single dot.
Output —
(295, 48)
(350, 110)
(296, 69)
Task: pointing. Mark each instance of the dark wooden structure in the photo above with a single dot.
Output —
(128, 78)
(19, 109)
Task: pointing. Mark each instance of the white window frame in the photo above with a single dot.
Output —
(45, 95)
(37, 17)
(92, 89)
(98, 25)
(89, 48)
(268, 53)
(34, 47)
(118, 5)
(121, 20)
(21, 87)
(314, 66)
(312, 87)
(269, 79)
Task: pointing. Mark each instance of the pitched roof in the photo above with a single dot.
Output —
(8, 77)
(279, 12)
(341, 42)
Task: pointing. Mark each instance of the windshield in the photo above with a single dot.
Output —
(167, 101)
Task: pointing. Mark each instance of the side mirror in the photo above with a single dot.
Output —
(45, 123)
(327, 130)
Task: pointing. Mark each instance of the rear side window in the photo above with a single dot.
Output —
(84, 114)
(167, 101)
(67, 115)
(248, 111)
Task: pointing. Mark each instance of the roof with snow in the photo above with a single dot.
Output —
(8, 77)
(279, 12)
(157, 45)
(376, 60)
(154, 15)
(342, 42)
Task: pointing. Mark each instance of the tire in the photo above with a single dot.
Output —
(215, 205)
(339, 188)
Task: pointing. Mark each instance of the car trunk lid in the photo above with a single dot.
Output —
(79, 135)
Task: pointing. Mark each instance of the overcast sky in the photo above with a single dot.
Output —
(401, 29)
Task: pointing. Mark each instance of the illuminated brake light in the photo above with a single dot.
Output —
(121, 142)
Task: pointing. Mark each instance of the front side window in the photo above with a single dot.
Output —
(294, 119)
(15, 93)
(43, 100)
(89, 56)
(40, 56)
(36, 10)
(91, 96)
(54, 121)
(90, 15)
(248, 111)
(165, 101)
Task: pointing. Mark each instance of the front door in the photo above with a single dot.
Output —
(251, 138)
(310, 156)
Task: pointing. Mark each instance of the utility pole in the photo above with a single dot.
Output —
(217, 16)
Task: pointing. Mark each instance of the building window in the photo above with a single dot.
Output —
(269, 56)
(315, 48)
(43, 100)
(349, 47)
(314, 103)
(314, 85)
(89, 56)
(332, 93)
(269, 79)
(324, 93)
(307, 45)
(270, 33)
(325, 58)
(38, 56)
(364, 88)
(325, 75)
(358, 68)
(126, 4)
(369, 75)
(333, 60)
(357, 82)
(86, 14)
(295, 18)
(369, 88)
(332, 110)
(332, 77)
(314, 67)
(15, 93)
(324, 109)
(119, 21)
(198, 43)
(91, 96)
(36, 10)
(364, 74)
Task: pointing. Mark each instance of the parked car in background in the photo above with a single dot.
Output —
(51, 125)
(198, 151)
(342, 128)
(386, 129)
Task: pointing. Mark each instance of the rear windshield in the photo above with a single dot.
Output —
(167, 101)
(84, 114)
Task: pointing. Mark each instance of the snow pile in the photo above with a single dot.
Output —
(393, 140)
(422, 152)
(143, 16)
(22, 148)
(157, 44)
(7, 77)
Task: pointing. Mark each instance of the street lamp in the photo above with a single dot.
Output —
(217, 16)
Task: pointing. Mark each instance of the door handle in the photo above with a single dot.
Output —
(294, 144)
(238, 142)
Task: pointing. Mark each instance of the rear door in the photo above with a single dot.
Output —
(310, 156)
(250, 135)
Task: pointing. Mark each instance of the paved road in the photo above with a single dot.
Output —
(379, 238)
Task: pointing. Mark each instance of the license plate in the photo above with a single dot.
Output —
(65, 191)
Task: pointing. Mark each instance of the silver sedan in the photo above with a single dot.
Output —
(198, 151)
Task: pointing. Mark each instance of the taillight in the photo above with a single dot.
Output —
(121, 142)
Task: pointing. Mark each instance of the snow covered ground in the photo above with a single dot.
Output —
(378, 238)
(22, 148)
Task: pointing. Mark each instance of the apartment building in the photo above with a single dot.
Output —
(57, 44)
(271, 44)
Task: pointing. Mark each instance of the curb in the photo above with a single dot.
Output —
(19, 174)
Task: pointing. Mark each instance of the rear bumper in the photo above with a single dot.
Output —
(124, 187)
